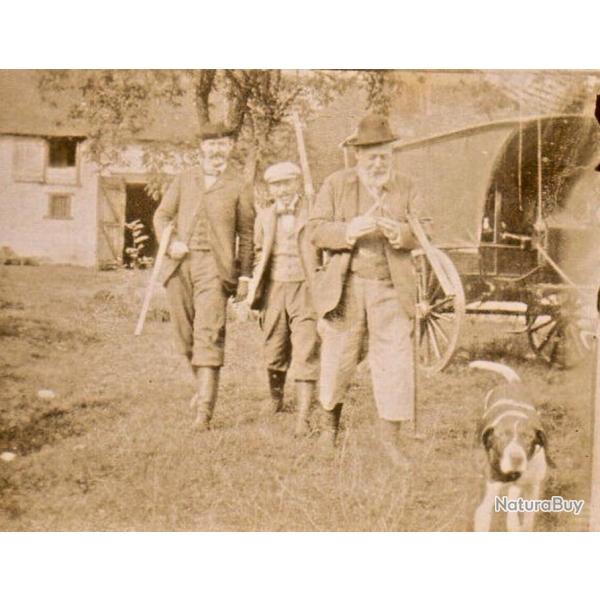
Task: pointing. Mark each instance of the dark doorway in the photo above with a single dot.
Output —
(139, 206)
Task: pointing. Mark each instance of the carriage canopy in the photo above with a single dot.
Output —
(547, 162)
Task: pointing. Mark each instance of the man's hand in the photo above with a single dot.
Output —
(242, 291)
(393, 230)
(177, 249)
(389, 227)
(359, 227)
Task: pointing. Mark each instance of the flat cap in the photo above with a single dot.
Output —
(212, 131)
(282, 171)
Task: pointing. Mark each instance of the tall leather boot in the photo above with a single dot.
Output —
(276, 387)
(390, 440)
(208, 386)
(330, 423)
(305, 391)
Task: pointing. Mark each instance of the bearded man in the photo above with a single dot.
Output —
(364, 294)
(209, 258)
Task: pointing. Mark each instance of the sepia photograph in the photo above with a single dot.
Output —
(299, 300)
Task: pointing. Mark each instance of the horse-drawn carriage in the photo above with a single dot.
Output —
(515, 207)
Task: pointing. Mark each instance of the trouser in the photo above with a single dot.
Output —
(289, 326)
(198, 306)
(372, 313)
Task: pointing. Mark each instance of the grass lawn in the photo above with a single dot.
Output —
(113, 449)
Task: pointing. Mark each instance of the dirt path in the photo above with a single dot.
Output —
(113, 450)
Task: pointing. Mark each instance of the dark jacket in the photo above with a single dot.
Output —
(230, 215)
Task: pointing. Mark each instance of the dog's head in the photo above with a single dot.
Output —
(510, 444)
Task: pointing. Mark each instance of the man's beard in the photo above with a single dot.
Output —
(374, 180)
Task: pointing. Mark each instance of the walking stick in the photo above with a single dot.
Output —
(416, 434)
(309, 190)
(594, 510)
(162, 250)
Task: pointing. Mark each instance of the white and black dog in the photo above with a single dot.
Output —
(516, 447)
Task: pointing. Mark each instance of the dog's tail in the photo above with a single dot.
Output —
(503, 370)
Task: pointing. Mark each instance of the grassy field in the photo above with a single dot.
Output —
(113, 449)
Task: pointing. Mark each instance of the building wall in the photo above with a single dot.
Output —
(24, 205)
(24, 223)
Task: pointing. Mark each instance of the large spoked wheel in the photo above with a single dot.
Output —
(553, 332)
(439, 316)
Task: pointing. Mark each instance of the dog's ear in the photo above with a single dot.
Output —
(486, 437)
(540, 438)
(542, 441)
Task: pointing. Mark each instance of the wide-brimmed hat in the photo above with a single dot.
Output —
(372, 130)
(282, 171)
(212, 131)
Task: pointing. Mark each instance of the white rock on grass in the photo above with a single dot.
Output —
(8, 456)
(46, 394)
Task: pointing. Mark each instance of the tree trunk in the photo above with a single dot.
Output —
(203, 86)
(240, 90)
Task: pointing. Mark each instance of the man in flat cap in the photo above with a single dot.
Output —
(364, 293)
(280, 290)
(209, 258)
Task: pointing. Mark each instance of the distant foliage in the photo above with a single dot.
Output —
(381, 86)
(135, 253)
(117, 105)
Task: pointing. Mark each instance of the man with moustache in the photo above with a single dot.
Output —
(364, 293)
(280, 291)
(209, 258)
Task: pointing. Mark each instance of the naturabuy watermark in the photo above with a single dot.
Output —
(554, 504)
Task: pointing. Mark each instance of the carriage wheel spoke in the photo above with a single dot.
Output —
(423, 287)
(421, 330)
(434, 342)
(433, 285)
(548, 337)
(422, 333)
(427, 351)
(436, 291)
(426, 345)
(440, 330)
(555, 347)
(440, 303)
(448, 317)
(431, 279)
(540, 326)
(423, 280)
